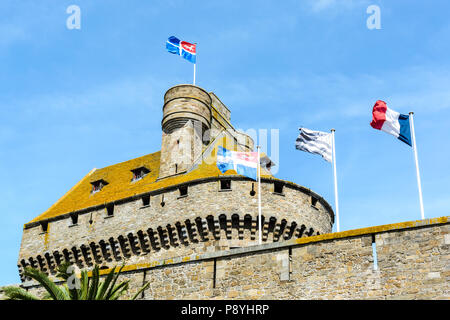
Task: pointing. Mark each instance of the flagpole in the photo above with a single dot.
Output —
(259, 197)
(419, 185)
(335, 183)
(195, 64)
(194, 73)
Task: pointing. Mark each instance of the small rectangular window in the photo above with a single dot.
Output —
(225, 184)
(278, 187)
(183, 191)
(146, 201)
(74, 218)
(44, 226)
(110, 210)
(313, 201)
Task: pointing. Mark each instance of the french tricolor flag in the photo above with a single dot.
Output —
(391, 121)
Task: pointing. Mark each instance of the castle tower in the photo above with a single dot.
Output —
(174, 202)
(173, 219)
(185, 128)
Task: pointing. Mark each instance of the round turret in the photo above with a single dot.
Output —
(183, 103)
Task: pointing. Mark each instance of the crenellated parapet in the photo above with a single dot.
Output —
(222, 232)
(171, 224)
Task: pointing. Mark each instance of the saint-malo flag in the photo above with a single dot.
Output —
(182, 48)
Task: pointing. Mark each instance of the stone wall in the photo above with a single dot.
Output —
(413, 262)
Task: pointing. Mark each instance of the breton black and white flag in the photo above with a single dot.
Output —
(317, 142)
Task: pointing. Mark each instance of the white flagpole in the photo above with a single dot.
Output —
(335, 183)
(419, 185)
(195, 61)
(194, 73)
(259, 197)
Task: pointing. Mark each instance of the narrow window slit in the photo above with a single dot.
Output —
(252, 192)
(214, 273)
(374, 253)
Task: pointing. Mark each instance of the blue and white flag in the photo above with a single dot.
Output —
(244, 163)
(317, 142)
(182, 48)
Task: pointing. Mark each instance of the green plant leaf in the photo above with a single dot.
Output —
(84, 283)
(94, 283)
(140, 290)
(105, 284)
(55, 292)
(16, 293)
(111, 288)
(118, 290)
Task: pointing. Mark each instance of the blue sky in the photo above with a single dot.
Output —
(73, 100)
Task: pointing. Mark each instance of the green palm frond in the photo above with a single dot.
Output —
(87, 288)
(140, 290)
(84, 282)
(55, 292)
(118, 290)
(94, 280)
(115, 277)
(16, 293)
(105, 285)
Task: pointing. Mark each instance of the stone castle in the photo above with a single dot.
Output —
(174, 219)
